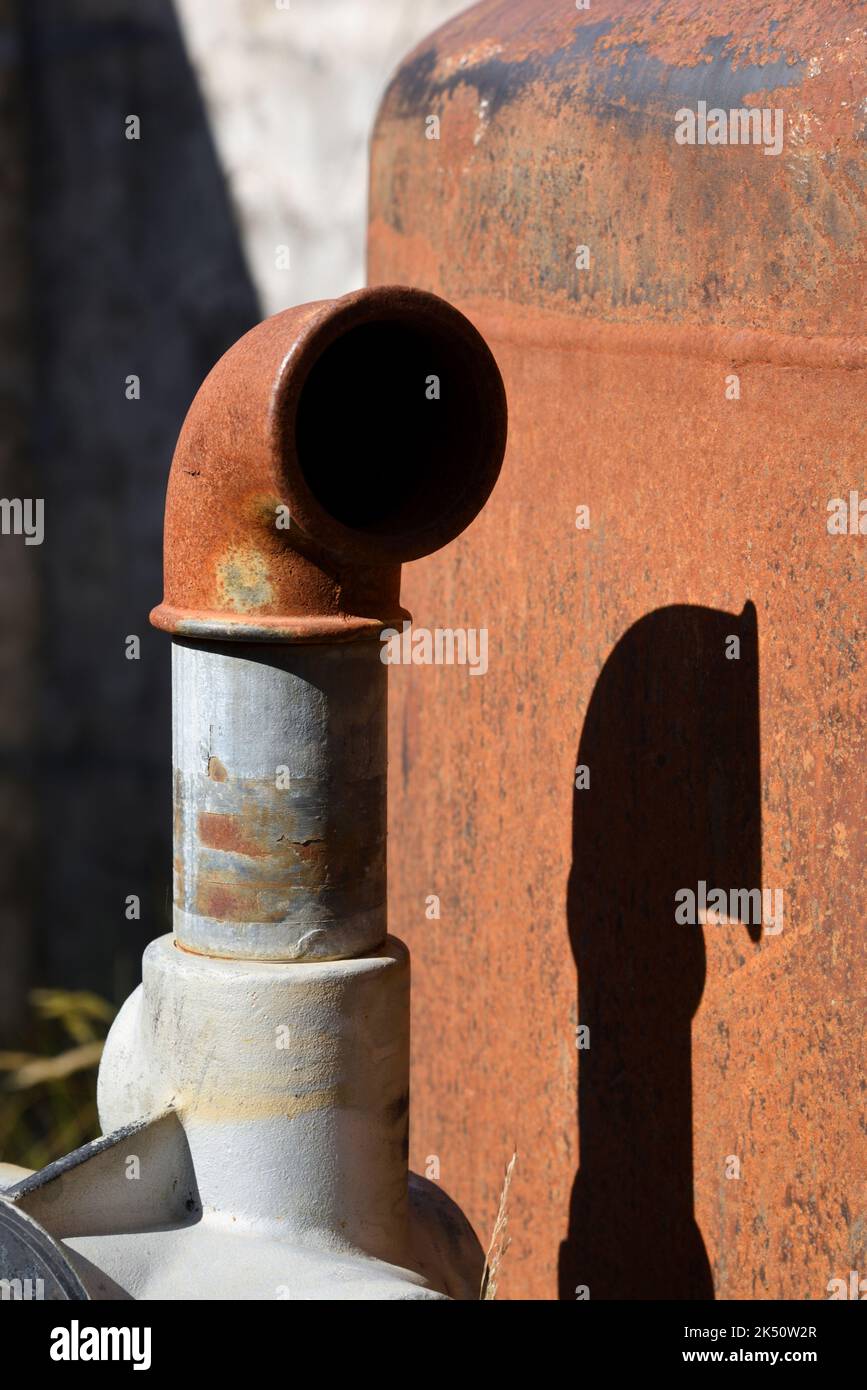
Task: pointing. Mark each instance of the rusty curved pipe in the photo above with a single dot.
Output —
(317, 457)
(330, 444)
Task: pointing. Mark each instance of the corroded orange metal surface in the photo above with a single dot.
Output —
(711, 1141)
(289, 506)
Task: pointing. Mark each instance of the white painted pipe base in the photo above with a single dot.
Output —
(257, 1114)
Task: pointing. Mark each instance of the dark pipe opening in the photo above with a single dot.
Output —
(376, 451)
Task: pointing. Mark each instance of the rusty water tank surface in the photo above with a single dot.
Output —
(694, 379)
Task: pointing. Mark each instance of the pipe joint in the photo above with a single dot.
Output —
(331, 443)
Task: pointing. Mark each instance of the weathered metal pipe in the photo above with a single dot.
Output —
(260, 1073)
(333, 442)
(328, 445)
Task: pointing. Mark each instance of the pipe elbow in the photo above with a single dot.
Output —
(330, 444)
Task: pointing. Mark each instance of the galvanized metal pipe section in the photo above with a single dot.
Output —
(279, 756)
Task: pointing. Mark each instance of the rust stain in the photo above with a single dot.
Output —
(216, 770)
(229, 832)
(223, 902)
(252, 858)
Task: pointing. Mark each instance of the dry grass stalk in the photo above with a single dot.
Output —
(500, 1240)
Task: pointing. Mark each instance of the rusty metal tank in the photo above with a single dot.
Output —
(671, 575)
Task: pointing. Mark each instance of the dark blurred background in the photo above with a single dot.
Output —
(118, 258)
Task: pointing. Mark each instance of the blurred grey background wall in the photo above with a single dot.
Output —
(144, 258)
(291, 95)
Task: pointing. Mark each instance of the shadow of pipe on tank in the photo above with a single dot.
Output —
(671, 744)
